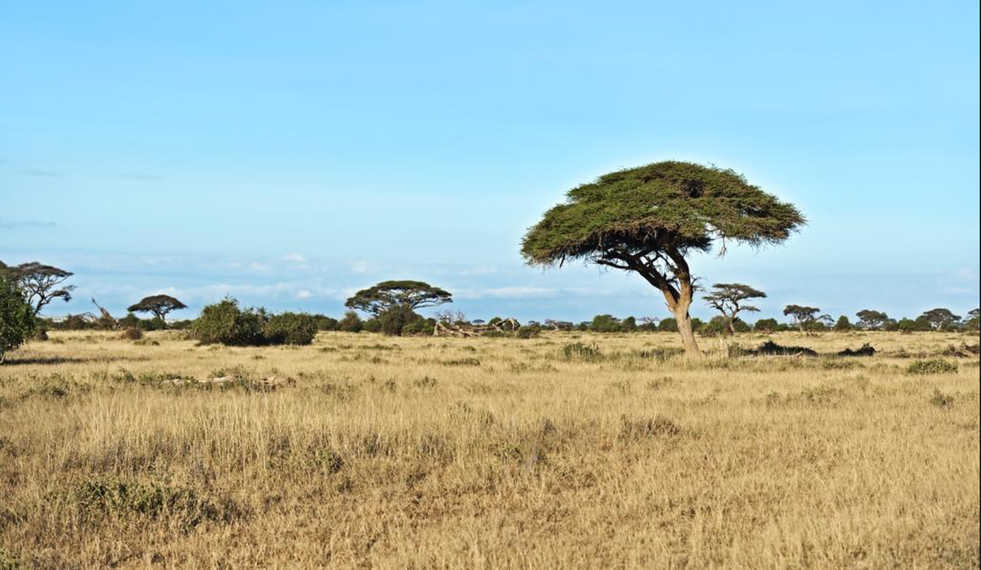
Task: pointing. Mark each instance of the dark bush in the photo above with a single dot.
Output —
(291, 328)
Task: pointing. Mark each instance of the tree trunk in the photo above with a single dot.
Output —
(731, 324)
(687, 334)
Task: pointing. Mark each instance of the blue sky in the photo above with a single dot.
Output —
(290, 153)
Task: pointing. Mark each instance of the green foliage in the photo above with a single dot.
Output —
(677, 204)
(393, 321)
(910, 325)
(932, 366)
(766, 326)
(225, 323)
(605, 323)
(290, 328)
(350, 323)
(667, 325)
(843, 324)
(17, 321)
(406, 295)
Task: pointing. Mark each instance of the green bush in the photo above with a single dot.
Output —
(393, 321)
(350, 323)
(766, 326)
(225, 323)
(16, 318)
(291, 328)
(932, 366)
(578, 351)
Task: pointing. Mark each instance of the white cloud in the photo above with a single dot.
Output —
(363, 267)
(506, 293)
(294, 258)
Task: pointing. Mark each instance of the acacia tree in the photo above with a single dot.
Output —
(159, 305)
(940, 318)
(398, 300)
(872, 320)
(40, 283)
(650, 219)
(803, 316)
(728, 299)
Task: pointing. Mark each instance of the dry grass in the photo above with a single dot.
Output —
(492, 453)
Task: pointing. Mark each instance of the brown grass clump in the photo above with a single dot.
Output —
(563, 451)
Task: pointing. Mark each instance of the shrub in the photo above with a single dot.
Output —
(933, 366)
(120, 498)
(225, 323)
(766, 326)
(582, 352)
(291, 328)
(16, 318)
(350, 323)
(667, 325)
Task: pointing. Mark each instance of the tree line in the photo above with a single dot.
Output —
(647, 220)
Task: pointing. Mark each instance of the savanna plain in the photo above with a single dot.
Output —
(564, 451)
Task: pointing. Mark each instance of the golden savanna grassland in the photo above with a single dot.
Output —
(366, 451)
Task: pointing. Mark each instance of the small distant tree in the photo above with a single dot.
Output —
(405, 295)
(843, 324)
(941, 319)
(872, 320)
(803, 316)
(650, 220)
(16, 317)
(605, 324)
(730, 300)
(158, 305)
(972, 321)
(40, 284)
(766, 326)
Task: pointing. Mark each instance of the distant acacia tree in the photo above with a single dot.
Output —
(650, 219)
(843, 324)
(403, 295)
(158, 305)
(803, 316)
(729, 299)
(39, 283)
(872, 320)
(940, 318)
(972, 321)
